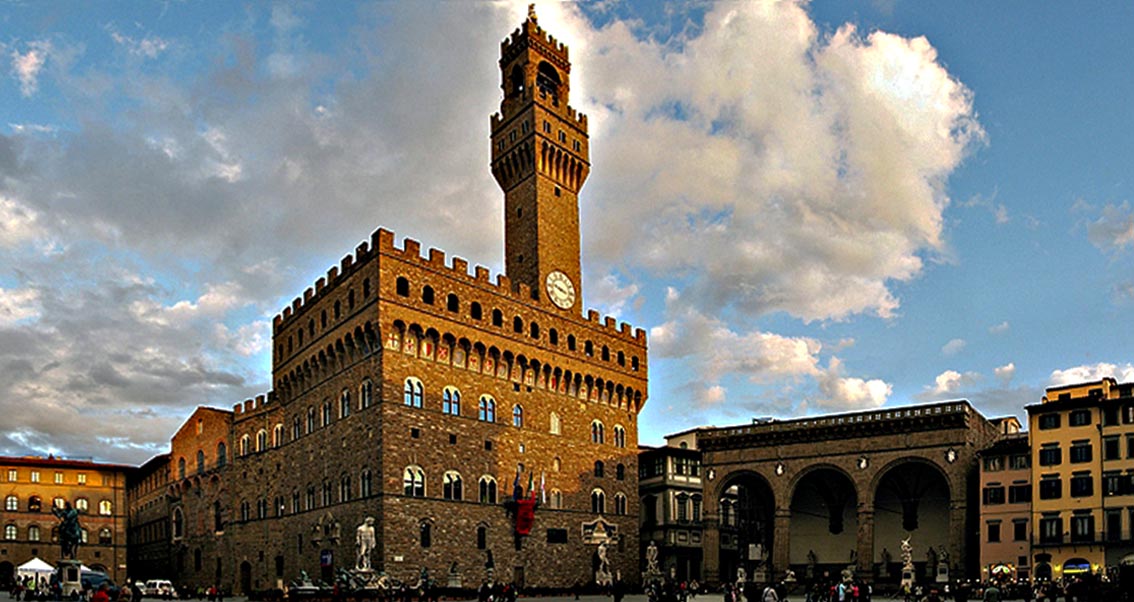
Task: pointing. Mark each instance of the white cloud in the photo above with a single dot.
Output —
(610, 295)
(18, 223)
(18, 305)
(953, 347)
(149, 46)
(1092, 372)
(27, 66)
(843, 393)
(805, 180)
(1005, 373)
(951, 381)
(1113, 230)
(1000, 328)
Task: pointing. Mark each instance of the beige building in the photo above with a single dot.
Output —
(32, 486)
(672, 504)
(1083, 475)
(1005, 505)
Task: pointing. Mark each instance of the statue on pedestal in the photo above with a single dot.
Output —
(70, 532)
(364, 541)
(602, 574)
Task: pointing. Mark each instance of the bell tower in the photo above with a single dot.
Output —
(540, 159)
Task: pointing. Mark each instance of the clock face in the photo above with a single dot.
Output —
(560, 290)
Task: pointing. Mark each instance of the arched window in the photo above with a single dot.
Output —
(475, 312)
(451, 486)
(365, 394)
(452, 303)
(200, 461)
(486, 409)
(517, 416)
(605, 353)
(10, 532)
(104, 538)
(59, 503)
(427, 295)
(310, 420)
(413, 392)
(403, 287)
(451, 401)
(178, 523)
(350, 299)
(311, 328)
(323, 319)
(497, 317)
(338, 310)
(426, 529)
(553, 336)
(366, 289)
(34, 504)
(328, 412)
(696, 501)
(181, 468)
(366, 483)
(11, 503)
(556, 499)
(589, 349)
(556, 464)
(517, 325)
(82, 505)
(619, 504)
(222, 454)
(413, 479)
(245, 445)
(33, 533)
(105, 508)
(555, 427)
(533, 330)
(487, 490)
(277, 435)
(345, 493)
(598, 501)
(344, 403)
(598, 432)
(619, 436)
(600, 468)
(218, 514)
(481, 537)
(620, 472)
(261, 440)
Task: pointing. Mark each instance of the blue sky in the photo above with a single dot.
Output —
(811, 208)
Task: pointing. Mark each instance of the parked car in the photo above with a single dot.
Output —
(159, 588)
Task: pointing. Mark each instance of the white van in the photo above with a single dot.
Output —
(159, 588)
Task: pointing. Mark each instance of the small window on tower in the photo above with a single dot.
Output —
(577, 146)
(524, 127)
(512, 136)
(547, 127)
(558, 191)
(500, 144)
(562, 136)
(519, 212)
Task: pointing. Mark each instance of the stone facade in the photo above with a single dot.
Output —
(149, 552)
(819, 494)
(33, 485)
(398, 376)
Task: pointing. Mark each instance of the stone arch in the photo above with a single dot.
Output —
(745, 504)
(823, 507)
(912, 495)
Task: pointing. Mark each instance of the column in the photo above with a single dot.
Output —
(866, 541)
(957, 530)
(711, 548)
(781, 544)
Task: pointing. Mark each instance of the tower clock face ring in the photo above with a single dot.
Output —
(560, 289)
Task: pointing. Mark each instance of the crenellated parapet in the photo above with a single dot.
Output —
(257, 406)
(530, 33)
(382, 242)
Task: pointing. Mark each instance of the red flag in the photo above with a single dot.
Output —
(525, 515)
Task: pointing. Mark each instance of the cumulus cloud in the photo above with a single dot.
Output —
(953, 347)
(27, 65)
(1092, 372)
(610, 295)
(147, 46)
(1005, 373)
(1112, 231)
(805, 182)
(18, 305)
(951, 381)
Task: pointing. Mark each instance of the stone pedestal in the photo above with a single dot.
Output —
(70, 580)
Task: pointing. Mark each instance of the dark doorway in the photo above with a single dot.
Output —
(245, 577)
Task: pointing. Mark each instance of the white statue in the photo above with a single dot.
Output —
(652, 558)
(365, 542)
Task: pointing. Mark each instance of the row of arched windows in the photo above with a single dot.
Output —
(324, 321)
(532, 329)
(201, 466)
(446, 349)
(327, 414)
(311, 498)
(34, 533)
(35, 504)
(413, 394)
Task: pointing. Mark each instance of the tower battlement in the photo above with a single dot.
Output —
(382, 242)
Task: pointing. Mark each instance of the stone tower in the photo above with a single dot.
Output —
(540, 159)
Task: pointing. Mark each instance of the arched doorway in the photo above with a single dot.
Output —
(1043, 571)
(747, 513)
(245, 577)
(1076, 566)
(911, 500)
(824, 523)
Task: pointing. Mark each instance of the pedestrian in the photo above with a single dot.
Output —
(770, 594)
(991, 593)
